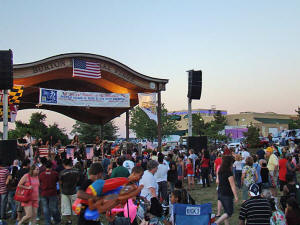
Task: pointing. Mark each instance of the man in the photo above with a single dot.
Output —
(128, 164)
(161, 179)
(48, 180)
(273, 169)
(245, 155)
(120, 171)
(68, 179)
(255, 210)
(3, 189)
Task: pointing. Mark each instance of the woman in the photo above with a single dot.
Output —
(292, 212)
(75, 141)
(291, 167)
(282, 171)
(227, 189)
(205, 168)
(190, 173)
(172, 175)
(249, 176)
(180, 167)
(278, 217)
(237, 165)
(30, 181)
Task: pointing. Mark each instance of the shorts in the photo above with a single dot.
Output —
(33, 203)
(66, 204)
(180, 177)
(227, 203)
(190, 175)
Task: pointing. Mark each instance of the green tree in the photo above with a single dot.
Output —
(252, 136)
(295, 124)
(38, 129)
(145, 128)
(88, 132)
(199, 127)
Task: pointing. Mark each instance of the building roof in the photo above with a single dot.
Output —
(272, 121)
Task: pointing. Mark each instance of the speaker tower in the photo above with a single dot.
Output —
(195, 84)
(6, 70)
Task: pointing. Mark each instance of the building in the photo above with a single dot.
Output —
(268, 122)
(182, 117)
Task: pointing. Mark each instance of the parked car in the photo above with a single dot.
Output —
(263, 142)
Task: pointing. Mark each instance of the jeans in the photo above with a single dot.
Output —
(50, 208)
(3, 205)
(238, 176)
(12, 203)
(205, 174)
(163, 190)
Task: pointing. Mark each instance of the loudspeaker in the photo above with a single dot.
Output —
(6, 70)
(195, 84)
(197, 143)
(8, 151)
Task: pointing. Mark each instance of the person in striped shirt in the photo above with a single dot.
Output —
(256, 210)
(3, 189)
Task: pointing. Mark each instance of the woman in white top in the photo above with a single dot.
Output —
(238, 167)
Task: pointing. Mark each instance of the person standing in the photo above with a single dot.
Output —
(249, 176)
(3, 189)
(161, 176)
(150, 189)
(30, 181)
(120, 170)
(68, 179)
(238, 167)
(227, 189)
(12, 183)
(180, 167)
(28, 147)
(205, 168)
(255, 210)
(282, 171)
(49, 201)
(273, 169)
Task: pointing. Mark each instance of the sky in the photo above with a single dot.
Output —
(248, 51)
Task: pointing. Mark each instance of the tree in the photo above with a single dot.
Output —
(199, 127)
(144, 128)
(38, 129)
(252, 136)
(87, 132)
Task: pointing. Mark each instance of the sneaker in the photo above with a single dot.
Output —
(38, 218)
(69, 222)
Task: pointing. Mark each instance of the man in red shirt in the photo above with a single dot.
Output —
(48, 180)
(282, 171)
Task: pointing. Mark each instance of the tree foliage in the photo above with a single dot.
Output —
(145, 128)
(38, 129)
(210, 129)
(295, 124)
(252, 136)
(88, 132)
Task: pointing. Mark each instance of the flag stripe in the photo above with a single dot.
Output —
(90, 74)
(82, 68)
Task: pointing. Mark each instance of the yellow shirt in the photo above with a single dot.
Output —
(273, 161)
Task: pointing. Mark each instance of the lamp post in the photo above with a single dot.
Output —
(237, 125)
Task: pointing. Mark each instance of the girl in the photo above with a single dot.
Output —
(175, 198)
(237, 165)
(180, 167)
(32, 182)
(190, 173)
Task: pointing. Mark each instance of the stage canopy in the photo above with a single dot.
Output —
(57, 73)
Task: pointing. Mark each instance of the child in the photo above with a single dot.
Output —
(190, 173)
(172, 175)
(175, 198)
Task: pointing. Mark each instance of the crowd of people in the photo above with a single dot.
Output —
(266, 181)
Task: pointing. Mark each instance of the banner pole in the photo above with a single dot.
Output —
(159, 120)
(190, 126)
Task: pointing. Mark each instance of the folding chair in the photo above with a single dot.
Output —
(192, 214)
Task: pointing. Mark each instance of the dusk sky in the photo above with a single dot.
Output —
(249, 51)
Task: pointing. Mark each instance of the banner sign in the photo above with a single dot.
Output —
(85, 99)
(147, 103)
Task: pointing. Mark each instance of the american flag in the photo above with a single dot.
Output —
(44, 152)
(89, 152)
(82, 68)
(61, 150)
(70, 152)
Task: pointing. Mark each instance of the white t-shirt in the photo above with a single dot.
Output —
(245, 155)
(128, 164)
(161, 173)
(148, 180)
(238, 165)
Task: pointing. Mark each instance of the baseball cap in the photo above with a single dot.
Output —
(254, 190)
(269, 149)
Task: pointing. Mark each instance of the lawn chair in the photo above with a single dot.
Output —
(192, 214)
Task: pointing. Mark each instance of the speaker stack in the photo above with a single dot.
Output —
(8, 151)
(195, 84)
(197, 143)
(6, 70)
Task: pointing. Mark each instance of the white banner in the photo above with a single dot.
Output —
(86, 99)
(147, 103)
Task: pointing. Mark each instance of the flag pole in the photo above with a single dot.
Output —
(5, 115)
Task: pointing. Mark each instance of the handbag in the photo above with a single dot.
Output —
(22, 194)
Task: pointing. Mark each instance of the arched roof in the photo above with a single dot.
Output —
(56, 73)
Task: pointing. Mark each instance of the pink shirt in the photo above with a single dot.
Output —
(35, 183)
